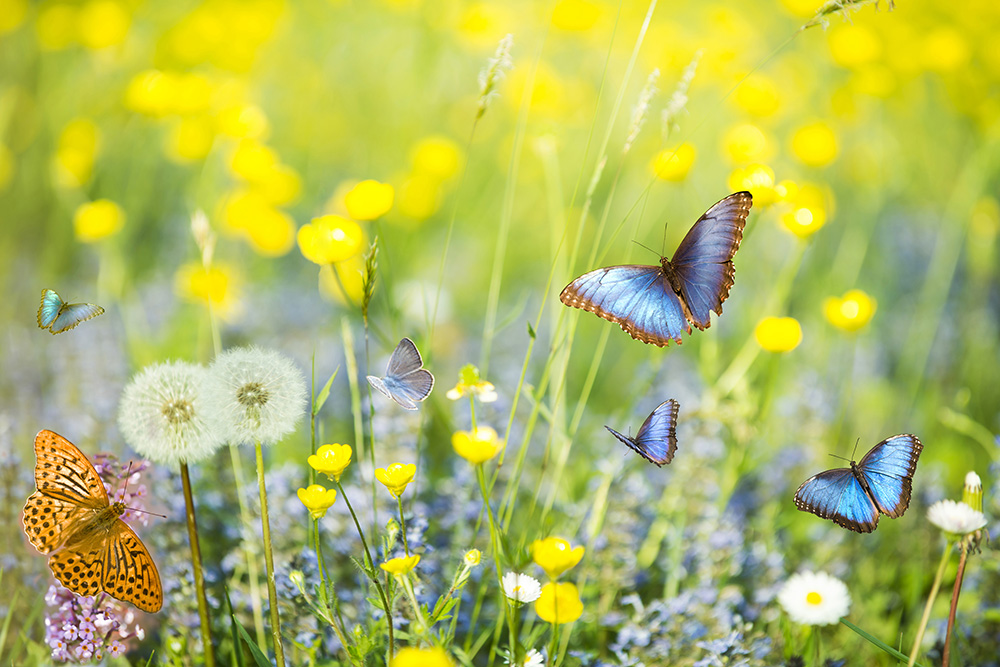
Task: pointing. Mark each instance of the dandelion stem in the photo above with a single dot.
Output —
(946, 654)
(402, 523)
(272, 594)
(930, 603)
(199, 579)
(252, 573)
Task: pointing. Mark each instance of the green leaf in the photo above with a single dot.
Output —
(150, 661)
(877, 642)
(234, 630)
(324, 393)
(258, 655)
(531, 331)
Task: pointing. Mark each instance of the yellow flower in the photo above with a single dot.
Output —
(349, 276)
(281, 185)
(317, 499)
(472, 557)
(97, 220)
(480, 23)
(806, 211)
(478, 446)
(243, 121)
(329, 239)
(815, 145)
(758, 179)
(253, 161)
(271, 232)
(673, 164)
(575, 15)
(758, 95)
(76, 152)
(192, 93)
(216, 285)
(396, 477)
(778, 334)
(555, 555)
(850, 312)
(401, 565)
(950, 50)
(559, 603)
(800, 8)
(853, 44)
(469, 383)
(420, 196)
(189, 139)
(331, 460)
(12, 13)
(421, 657)
(56, 25)
(6, 166)
(151, 92)
(438, 157)
(745, 143)
(369, 200)
(103, 23)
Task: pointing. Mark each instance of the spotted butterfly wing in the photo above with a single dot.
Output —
(655, 304)
(70, 519)
(854, 497)
(656, 440)
(56, 316)
(405, 381)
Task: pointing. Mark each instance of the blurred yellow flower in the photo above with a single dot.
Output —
(476, 446)
(368, 200)
(271, 232)
(758, 95)
(575, 15)
(745, 143)
(329, 239)
(238, 208)
(349, 274)
(192, 93)
(76, 152)
(6, 166)
(103, 23)
(331, 460)
(12, 13)
(850, 312)
(396, 476)
(673, 164)
(555, 555)
(437, 156)
(401, 565)
(56, 25)
(189, 139)
(800, 8)
(420, 196)
(778, 334)
(151, 92)
(758, 179)
(481, 24)
(421, 657)
(853, 44)
(945, 49)
(253, 161)
(559, 603)
(243, 121)
(806, 210)
(815, 144)
(97, 220)
(280, 186)
(472, 557)
(197, 283)
(470, 383)
(317, 499)
(549, 95)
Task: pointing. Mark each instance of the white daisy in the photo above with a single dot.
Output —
(521, 588)
(814, 598)
(162, 414)
(254, 395)
(956, 518)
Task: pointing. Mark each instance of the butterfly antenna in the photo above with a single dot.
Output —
(837, 456)
(128, 473)
(856, 442)
(136, 509)
(647, 248)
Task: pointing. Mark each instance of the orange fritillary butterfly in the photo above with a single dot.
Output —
(70, 519)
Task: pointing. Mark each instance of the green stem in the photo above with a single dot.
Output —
(329, 597)
(199, 579)
(946, 654)
(402, 524)
(272, 594)
(472, 412)
(252, 572)
(930, 603)
(418, 615)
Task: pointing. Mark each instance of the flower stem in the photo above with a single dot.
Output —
(946, 654)
(472, 411)
(930, 603)
(402, 523)
(199, 579)
(246, 527)
(329, 597)
(272, 594)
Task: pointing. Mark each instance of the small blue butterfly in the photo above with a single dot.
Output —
(853, 497)
(405, 381)
(57, 316)
(656, 440)
(655, 304)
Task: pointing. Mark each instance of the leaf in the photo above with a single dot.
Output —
(531, 331)
(877, 642)
(324, 393)
(233, 626)
(149, 662)
(258, 655)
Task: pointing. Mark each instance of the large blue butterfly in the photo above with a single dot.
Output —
(656, 440)
(655, 304)
(405, 381)
(57, 316)
(853, 497)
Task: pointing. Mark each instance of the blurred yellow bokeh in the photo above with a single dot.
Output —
(97, 220)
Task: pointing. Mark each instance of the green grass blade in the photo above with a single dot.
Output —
(879, 643)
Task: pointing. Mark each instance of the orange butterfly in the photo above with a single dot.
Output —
(70, 519)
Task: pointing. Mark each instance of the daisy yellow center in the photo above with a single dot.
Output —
(517, 589)
(812, 597)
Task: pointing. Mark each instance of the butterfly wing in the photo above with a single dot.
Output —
(837, 495)
(63, 472)
(405, 381)
(49, 522)
(80, 567)
(129, 573)
(657, 436)
(637, 298)
(49, 308)
(703, 260)
(888, 470)
(405, 359)
(73, 314)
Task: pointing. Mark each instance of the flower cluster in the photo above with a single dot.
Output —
(82, 630)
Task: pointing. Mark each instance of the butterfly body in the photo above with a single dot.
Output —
(656, 304)
(854, 497)
(656, 439)
(405, 381)
(71, 520)
(56, 316)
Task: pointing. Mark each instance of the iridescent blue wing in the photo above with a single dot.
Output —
(405, 382)
(703, 260)
(637, 298)
(837, 495)
(888, 470)
(57, 316)
(49, 308)
(656, 440)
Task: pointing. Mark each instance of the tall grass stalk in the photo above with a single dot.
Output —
(930, 603)
(272, 594)
(196, 570)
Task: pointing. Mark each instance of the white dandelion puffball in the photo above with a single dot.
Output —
(521, 587)
(162, 414)
(814, 598)
(955, 517)
(254, 395)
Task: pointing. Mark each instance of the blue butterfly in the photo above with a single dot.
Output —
(57, 316)
(655, 304)
(405, 381)
(656, 440)
(853, 497)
